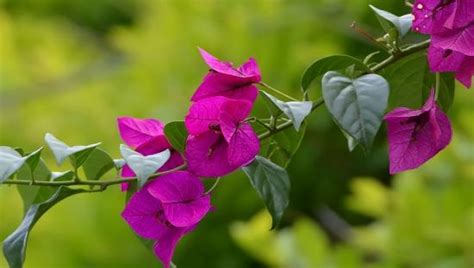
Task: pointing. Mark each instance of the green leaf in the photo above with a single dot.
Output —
(33, 159)
(446, 89)
(14, 246)
(78, 154)
(411, 80)
(296, 111)
(144, 166)
(34, 194)
(97, 164)
(119, 163)
(273, 109)
(10, 162)
(272, 185)
(393, 25)
(331, 63)
(357, 105)
(62, 176)
(282, 146)
(176, 134)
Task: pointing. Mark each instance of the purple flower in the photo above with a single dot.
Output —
(460, 40)
(446, 60)
(220, 140)
(147, 137)
(225, 80)
(437, 16)
(415, 136)
(166, 209)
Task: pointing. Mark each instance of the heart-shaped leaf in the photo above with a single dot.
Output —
(176, 134)
(97, 164)
(33, 159)
(296, 111)
(331, 63)
(357, 105)
(14, 246)
(394, 25)
(34, 194)
(78, 154)
(144, 166)
(272, 185)
(10, 162)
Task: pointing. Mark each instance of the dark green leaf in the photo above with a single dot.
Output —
(296, 111)
(331, 63)
(97, 164)
(10, 162)
(357, 105)
(393, 25)
(411, 80)
(33, 159)
(62, 176)
(272, 185)
(34, 194)
(78, 154)
(14, 246)
(176, 134)
(446, 89)
(281, 147)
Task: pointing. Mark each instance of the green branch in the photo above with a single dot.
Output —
(271, 130)
(103, 184)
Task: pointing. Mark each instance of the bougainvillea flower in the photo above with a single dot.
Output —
(445, 60)
(184, 199)
(147, 137)
(225, 80)
(437, 16)
(220, 140)
(460, 40)
(415, 136)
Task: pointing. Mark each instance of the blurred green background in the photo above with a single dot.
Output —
(71, 67)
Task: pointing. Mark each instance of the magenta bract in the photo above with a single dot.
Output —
(220, 140)
(147, 137)
(153, 212)
(225, 80)
(445, 60)
(415, 136)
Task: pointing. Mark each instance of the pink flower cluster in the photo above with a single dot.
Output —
(451, 26)
(220, 141)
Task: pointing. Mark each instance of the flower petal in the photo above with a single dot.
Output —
(459, 40)
(207, 155)
(179, 186)
(135, 131)
(218, 65)
(165, 246)
(217, 84)
(203, 115)
(417, 137)
(189, 213)
(466, 72)
(243, 147)
(140, 213)
(232, 113)
(251, 70)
